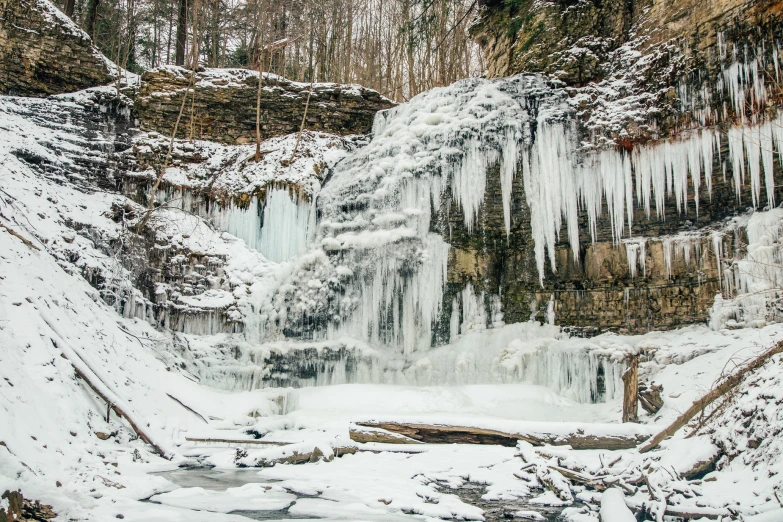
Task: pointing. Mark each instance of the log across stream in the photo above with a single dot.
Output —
(504, 433)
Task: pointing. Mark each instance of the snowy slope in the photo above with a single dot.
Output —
(52, 320)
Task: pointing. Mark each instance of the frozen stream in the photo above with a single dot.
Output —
(424, 482)
(215, 480)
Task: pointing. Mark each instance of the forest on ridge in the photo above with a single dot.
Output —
(398, 47)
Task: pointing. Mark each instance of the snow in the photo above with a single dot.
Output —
(613, 508)
(250, 497)
(232, 169)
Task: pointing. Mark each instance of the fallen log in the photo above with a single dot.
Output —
(119, 411)
(448, 434)
(365, 434)
(239, 441)
(442, 434)
(103, 391)
(724, 387)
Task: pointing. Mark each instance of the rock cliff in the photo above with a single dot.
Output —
(636, 73)
(223, 106)
(43, 52)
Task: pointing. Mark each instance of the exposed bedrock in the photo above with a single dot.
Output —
(641, 69)
(224, 105)
(43, 52)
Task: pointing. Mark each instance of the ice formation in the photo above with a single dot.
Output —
(377, 210)
(281, 226)
(582, 370)
(755, 277)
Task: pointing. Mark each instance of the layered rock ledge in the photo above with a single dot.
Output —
(223, 106)
(43, 52)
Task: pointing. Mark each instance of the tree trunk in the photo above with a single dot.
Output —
(92, 14)
(69, 6)
(631, 390)
(182, 32)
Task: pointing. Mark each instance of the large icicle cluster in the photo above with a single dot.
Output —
(280, 226)
(377, 208)
(740, 86)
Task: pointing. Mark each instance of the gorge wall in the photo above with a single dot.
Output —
(690, 91)
(43, 52)
(637, 73)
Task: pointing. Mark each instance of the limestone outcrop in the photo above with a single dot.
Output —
(43, 52)
(677, 272)
(223, 106)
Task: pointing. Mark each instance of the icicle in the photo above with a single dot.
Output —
(454, 322)
(550, 310)
(737, 159)
(751, 140)
(717, 247)
(632, 252)
(497, 312)
(667, 255)
(707, 143)
(474, 312)
(509, 161)
(765, 145)
(287, 226)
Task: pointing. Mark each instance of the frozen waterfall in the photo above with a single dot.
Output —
(378, 207)
(280, 226)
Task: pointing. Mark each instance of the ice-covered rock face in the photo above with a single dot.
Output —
(379, 265)
(385, 266)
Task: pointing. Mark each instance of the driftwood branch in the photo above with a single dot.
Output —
(581, 478)
(17, 235)
(724, 387)
(191, 410)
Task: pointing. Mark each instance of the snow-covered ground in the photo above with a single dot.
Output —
(58, 446)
